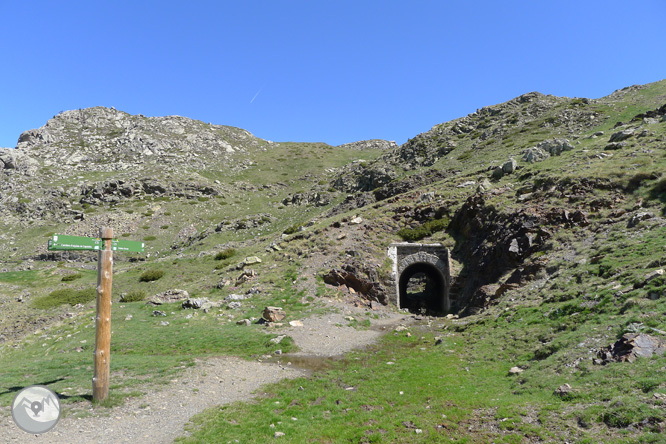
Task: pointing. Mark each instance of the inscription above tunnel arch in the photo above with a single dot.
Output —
(422, 275)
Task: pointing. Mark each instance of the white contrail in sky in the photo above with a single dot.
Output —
(255, 96)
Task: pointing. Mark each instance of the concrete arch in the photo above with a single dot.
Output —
(433, 261)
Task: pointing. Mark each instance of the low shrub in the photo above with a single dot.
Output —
(149, 238)
(225, 254)
(422, 231)
(292, 229)
(133, 296)
(71, 277)
(151, 275)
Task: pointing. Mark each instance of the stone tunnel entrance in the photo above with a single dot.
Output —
(422, 277)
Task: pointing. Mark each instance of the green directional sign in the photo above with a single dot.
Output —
(125, 245)
(64, 242)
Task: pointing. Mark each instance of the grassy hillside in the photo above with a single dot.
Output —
(554, 260)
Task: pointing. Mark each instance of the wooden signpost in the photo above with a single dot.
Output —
(105, 245)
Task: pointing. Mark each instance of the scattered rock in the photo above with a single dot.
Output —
(509, 166)
(251, 260)
(357, 220)
(563, 391)
(614, 146)
(555, 147)
(639, 217)
(169, 296)
(235, 305)
(631, 346)
(245, 276)
(622, 135)
(653, 275)
(515, 371)
(296, 323)
(278, 339)
(235, 297)
(273, 314)
(194, 303)
(164, 323)
(244, 322)
(534, 154)
(158, 313)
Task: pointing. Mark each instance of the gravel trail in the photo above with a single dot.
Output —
(160, 416)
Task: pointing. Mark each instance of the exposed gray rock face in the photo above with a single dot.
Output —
(318, 199)
(532, 155)
(103, 139)
(361, 177)
(555, 147)
(11, 159)
(373, 144)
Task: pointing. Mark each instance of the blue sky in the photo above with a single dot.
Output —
(316, 71)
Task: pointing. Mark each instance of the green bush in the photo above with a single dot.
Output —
(134, 296)
(149, 238)
(71, 277)
(151, 275)
(225, 254)
(292, 229)
(425, 230)
(65, 296)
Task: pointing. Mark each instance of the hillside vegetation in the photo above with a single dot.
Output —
(554, 209)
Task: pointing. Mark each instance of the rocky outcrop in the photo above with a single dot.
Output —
(102, 139)
(373, 144)
(363, 280)
(315, 198)
(630, 347)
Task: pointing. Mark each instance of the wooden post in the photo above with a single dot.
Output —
(103, 319)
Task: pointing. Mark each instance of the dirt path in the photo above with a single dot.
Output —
(159, 416)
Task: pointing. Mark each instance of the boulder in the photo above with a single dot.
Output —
(194, 303)
(631, 346)
(638, 217)
(622, 135)
(614, 146)
(174, 295)
(251, 260)
(555, 147)
(534, 154)
(509, 166)
(273, 314)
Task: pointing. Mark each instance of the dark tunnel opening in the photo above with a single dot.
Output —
(423, 289)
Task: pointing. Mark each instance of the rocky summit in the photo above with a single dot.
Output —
(552, 209)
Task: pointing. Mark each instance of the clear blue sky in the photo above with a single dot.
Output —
(317, 70)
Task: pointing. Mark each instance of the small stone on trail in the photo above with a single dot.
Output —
(296, 323)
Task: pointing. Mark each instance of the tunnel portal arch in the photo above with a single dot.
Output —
(432, 261)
